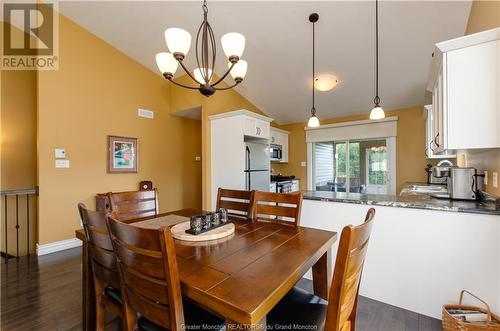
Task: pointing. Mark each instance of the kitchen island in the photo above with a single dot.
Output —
(422, 251)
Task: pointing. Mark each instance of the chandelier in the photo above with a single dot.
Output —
(178, 43)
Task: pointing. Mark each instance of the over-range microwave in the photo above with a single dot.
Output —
(275, 152)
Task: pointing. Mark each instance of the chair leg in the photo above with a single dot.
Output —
(129, 320)
(347, 326)
(99, 306)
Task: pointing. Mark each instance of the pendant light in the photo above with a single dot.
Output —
(313, 121)
(377, 112)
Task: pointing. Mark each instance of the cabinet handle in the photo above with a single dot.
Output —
(436, 140)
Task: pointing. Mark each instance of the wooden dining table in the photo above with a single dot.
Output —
(240, 277)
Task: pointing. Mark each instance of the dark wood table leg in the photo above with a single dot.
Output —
(322, 274)
(88, 295)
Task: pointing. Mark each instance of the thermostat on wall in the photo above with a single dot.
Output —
(60, 153)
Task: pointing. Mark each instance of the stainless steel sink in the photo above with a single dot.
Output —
(424, 189)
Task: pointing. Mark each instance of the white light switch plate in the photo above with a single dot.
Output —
(303, 164)
(60, 153)
(62, 163)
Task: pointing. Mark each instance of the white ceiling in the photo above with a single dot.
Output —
(278, 46)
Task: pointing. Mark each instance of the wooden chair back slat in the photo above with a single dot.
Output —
(148, 269)
(134, 204)
(148, 264)
(343, 296)
(100, 246)
(279, 208)
(237, 202)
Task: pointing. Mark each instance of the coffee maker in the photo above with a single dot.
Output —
(462, 184)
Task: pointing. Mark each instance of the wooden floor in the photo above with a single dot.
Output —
(45, 294)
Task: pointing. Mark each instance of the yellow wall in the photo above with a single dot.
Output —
(220, 102)
(18, 127)
(485, 15)
(18, 152)
(410, 146)
(95, 93)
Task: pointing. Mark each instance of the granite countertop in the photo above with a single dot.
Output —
(411, 200)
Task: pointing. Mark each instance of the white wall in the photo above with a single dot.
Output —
(420, 259)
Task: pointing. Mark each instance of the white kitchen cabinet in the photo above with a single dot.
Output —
(280, 137)
(465, 86)
(430, 134)
(228, 134)
(255, 127)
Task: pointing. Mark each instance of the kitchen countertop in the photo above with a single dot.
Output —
(411, 200)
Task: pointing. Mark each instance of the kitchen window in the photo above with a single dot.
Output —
(352, 165)
(365, 161)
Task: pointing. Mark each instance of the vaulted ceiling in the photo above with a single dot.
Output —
(278, 46)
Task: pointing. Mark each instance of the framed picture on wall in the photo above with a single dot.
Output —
(123, 153)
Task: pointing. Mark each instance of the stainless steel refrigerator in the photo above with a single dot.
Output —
(257, 167)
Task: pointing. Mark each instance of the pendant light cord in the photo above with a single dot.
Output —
(313, 109)
(376, 100)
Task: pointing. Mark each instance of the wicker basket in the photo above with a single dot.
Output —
(452, 324)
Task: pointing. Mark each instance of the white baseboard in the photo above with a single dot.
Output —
(57, 246)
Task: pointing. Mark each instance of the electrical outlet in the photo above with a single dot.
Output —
(495, 179)
(485, 177)
(303, 164)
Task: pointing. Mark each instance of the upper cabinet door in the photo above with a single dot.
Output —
(256, 128)
(473, 96)
(465, 83)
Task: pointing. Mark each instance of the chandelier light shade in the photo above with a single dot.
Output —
(166, 62)
(179, 42)
(198, 75)
(313, 120)
(239, 70)
(377, 112)
(233, 44)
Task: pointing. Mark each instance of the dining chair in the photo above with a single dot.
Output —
(150, 283)
(237, 202)
(133, 204)
(302, 308)
(103, 262)
(280, 208)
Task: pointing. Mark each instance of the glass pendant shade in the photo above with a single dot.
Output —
(166, 63)
(377, 113)
(199, 77)
(313, 122)
(233, 44)
(239, 70)
(178, 40)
